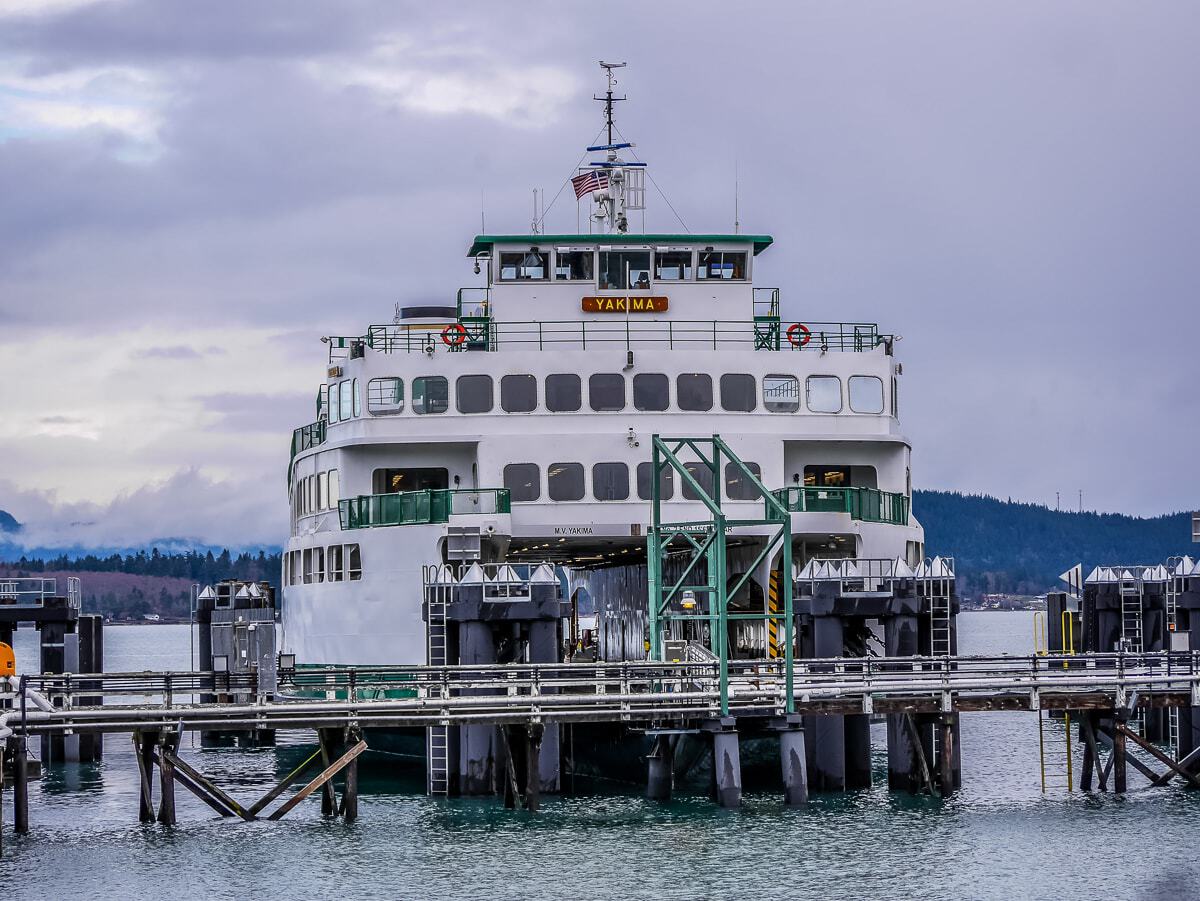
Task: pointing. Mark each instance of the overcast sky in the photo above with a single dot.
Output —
(191, 194)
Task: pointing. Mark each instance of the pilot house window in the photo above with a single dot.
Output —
(606, 391)
(781, 393)
(574, 265)
(621, 270)
(824, 394)
(694, 391)
(651, 391)
(610, 481)
(673, 265)
(737, 392)
(866, 394)
(526, 265)
(721, 264)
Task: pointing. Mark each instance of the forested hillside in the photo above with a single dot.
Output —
(1012, 547)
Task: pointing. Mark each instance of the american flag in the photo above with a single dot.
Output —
(587, 182)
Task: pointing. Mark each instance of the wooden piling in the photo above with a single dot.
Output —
(326, 739)
(946, 756)
(349, 808)
(1119, 758)
(143, 752)
(322, 779)
(533, 774)
(20, 758)
(166, 772)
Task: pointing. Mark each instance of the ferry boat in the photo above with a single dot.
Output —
(511, 423)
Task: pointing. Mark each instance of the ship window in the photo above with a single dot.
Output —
(737, 392)
(525, 265)
(673, 265)
(564, 392)
(318, 564)
(385, 397)
(737, 486)
(645, 482)
(824, 393)
(651, 391)
(693, 391)
(334, 561)
(353, 562)
(781, 393)
(323, 402)
(722, 264)
(334, 497)
(624, 269)
(347, 401)
(574, 265)
(827, 476)
(523, 481)
(430, 394)
(357, 399)
(473, 393)
(564, 481)
(308, 563)
(610, 481)
(518, 393)
(606, 391)
(333, 402)
(703, 476)
(322, 490)
(866, 393)
(411, 478)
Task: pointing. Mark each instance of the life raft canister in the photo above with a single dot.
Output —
(454, 335)
(798, 334)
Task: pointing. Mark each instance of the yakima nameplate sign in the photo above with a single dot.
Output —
(624, 304)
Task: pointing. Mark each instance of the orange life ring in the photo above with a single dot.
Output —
(794, 329)
(454, 335)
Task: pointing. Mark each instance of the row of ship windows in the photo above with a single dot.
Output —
(607, 392)
(335, 563)
(610, 481)
(315, 493)
(622, 269)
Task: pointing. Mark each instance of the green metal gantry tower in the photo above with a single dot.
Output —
(706, 540)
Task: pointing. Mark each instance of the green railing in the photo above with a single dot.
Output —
(420, 507)
(866, 504)
(308, 436)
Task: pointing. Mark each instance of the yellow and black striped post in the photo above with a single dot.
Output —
(773, 610)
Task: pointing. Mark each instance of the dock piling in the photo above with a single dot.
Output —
(660, 769)
(727, 764)
(143, 749)
(168, 741)
(20, 759)
(794, 764)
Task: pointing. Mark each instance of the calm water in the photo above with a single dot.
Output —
(1000, 837)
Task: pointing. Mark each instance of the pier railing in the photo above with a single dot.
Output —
(866, 504)
(35, 591)
(630, 691)
(420, 507)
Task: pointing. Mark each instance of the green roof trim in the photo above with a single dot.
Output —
(484, 243)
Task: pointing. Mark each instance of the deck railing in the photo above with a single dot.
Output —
(481, 333)
(308, 436)
(421, 507)
(866, 504)
(35, 591)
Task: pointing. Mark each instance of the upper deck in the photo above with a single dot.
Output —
(572, 292)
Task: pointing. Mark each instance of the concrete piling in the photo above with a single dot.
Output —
(794, 765)
(727, 764)
(660, 769)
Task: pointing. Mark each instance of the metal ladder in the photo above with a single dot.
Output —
(1131, 613)
(437, 739)
(939, 588)
(1174, 588)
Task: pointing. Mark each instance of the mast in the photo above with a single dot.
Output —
(616, 186)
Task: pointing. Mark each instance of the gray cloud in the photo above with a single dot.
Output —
(1012, 189)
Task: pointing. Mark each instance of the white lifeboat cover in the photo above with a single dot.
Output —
(901, 569)
(473, 576)
(543, 574)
